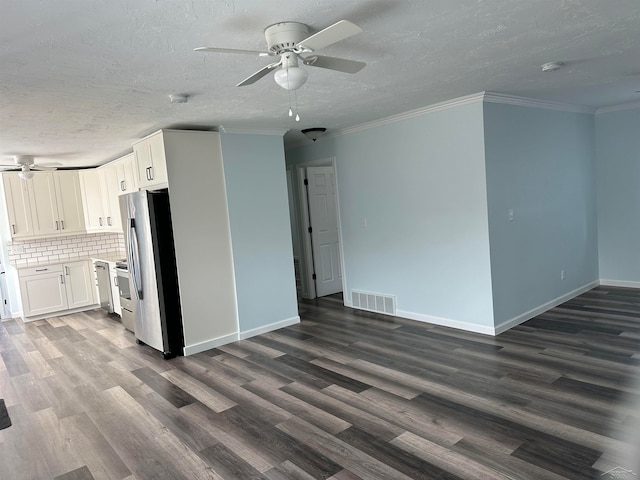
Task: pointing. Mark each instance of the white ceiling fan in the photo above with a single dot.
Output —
(292, 43)
(26, 164)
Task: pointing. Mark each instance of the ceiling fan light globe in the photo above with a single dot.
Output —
(25, 173)
(290, 78)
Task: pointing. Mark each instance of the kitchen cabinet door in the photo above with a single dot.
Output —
(43, 292)
(108, 178)
(92, 200)
(16, 193)
(44, 206)
(69, 200)
(150, 161)
(127, 178)
(79, 284)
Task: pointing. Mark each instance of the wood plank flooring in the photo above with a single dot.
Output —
(344, 395)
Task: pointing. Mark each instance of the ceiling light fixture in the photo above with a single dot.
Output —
(314, 133)
(290, 76)
(552, 66)
(25, 172)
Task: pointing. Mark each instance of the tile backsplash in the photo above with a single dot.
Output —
(52, 249)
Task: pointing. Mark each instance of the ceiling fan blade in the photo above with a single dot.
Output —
(330, 35)
(42, 167)
(232, 50)
(47, 164)
(333, 63)
(259, 74)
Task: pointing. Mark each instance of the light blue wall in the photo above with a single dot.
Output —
(254, 170)
(540, 163)
(618, 174)
(420, 183)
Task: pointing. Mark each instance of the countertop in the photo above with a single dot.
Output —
(110, 257)
(116, 256)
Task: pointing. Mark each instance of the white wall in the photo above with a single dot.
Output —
(420, 184)
(202, 240)
(256, 183)
(540, 164)
(618, 175)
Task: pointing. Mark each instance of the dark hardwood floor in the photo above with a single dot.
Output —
(344, 395)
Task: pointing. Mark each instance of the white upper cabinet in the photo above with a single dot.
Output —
(108, 177)
(44, 208)
(150, 161)
(16, 193)
(126, 171)
(69, 200)
(94, 217)
(48, 204)
(99, 191)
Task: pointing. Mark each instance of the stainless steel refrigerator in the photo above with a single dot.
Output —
(146, 218)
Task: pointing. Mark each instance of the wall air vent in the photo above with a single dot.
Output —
(374, 302)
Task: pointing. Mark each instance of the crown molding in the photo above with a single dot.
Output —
(477, 97)
(492, 97)
(488, 97)
(254, 131)
(617, 108)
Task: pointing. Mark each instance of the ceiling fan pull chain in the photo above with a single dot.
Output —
(295, 96)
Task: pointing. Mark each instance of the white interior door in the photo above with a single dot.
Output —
(323, 216)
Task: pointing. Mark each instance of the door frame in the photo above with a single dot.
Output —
(302, 207)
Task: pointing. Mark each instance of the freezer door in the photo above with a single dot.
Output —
(148, 326)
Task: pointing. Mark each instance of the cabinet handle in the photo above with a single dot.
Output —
(41, 269)
(100, 220)
(122, 186)
(13, 228)
(61, 279)
(115, 281)
(62, 224)
(151, 173)
(57, 225)
(66, 270)
(109, 221)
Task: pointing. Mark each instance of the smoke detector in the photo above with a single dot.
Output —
(552, 66)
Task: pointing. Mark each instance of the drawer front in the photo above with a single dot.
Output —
(25, 272)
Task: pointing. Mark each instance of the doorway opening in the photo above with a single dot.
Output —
(315, 227)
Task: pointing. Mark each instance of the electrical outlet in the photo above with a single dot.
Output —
(17, 249)
(562, 275)
(510, 214)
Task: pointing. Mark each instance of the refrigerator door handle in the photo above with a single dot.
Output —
(135, 258)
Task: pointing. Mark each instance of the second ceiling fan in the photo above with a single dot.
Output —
(292, 43)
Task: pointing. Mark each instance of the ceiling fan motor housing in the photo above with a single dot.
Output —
(23, 159)
(283, 37)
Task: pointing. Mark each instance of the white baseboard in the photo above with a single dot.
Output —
(209, 344)
(504, 326)
(234, 337)
(446, 322)
(269, 328)
(619, 283)
(56, 314)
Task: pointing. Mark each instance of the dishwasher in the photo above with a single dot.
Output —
(104, 286)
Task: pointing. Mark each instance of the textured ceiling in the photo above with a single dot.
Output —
(81, 79)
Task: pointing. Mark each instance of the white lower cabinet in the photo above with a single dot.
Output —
(79, 284)
(54, 288)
